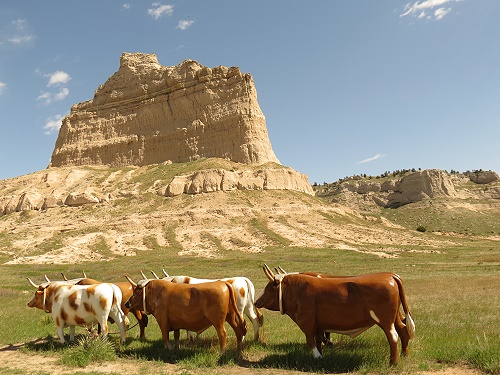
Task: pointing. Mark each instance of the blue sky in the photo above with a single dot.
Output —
(347, 87)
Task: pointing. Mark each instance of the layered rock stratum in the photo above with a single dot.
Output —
(146, 113)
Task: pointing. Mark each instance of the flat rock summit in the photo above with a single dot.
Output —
(146, 113)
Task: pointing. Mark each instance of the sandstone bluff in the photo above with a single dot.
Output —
(146, 113)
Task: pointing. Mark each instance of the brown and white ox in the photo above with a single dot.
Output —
(245, 296)
(191, 307)
(344, 305)
(126, 290)
(80, 305)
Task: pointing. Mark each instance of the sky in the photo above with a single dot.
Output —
(347, 87)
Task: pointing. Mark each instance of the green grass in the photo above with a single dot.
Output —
(451, 296)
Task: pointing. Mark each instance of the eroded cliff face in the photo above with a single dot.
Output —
(147, 113)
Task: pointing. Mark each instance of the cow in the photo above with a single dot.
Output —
(80, 305)
(191, 307)
(345, 305)
(326, 339)
(126, 290)
(245, 296)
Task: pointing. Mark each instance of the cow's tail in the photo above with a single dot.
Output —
(410, 324)
(251, 291)
(117, 301)
(232, 301)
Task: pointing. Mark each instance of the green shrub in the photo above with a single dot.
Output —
(89, 350)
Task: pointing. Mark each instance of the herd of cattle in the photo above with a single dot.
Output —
(317, 303)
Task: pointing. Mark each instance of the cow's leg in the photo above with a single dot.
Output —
(164, 326)
(256, 322)
(320, 335)
(104, 327)
(177, 335)
(121, 321)
(60, 332)
(311, 341)
(142, 319)
(71, 333)
(326, 339)
(237, 327)
(221, 332)
(392, 338)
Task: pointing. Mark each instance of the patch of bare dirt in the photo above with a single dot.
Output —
(31, 363)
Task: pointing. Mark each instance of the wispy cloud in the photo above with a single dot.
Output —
(378, 156)
(159, 10)
(126, 6)
(20, 39)
(437, 9)
(2, 87)
(18, 33)
(53, 124)
(184, 24)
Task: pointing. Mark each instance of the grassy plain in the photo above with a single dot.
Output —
(452, 293)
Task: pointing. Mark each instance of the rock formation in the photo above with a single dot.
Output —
(210, 180)
(147, 113)
(411, 187)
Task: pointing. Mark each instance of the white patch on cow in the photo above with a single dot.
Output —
(394, 333)
(374, 317)
(316, 353)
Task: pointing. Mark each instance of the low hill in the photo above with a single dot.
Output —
(93, 213)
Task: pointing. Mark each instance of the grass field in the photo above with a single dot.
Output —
(453, 295)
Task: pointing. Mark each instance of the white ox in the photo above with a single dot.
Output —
(80, 305)
(245, 296)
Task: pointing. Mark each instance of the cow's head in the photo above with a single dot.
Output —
(270, 297)
(138, 299)
(40, 299)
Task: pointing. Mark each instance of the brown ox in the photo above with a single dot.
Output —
(127, 291)
(192, 307)
(345, 305)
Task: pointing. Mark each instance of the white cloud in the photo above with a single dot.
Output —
(20, 39)
(378, 156)
(20, 23)
(126, 6)
(441, 12)
(53, 124)
(160, 10)
(2, 87)
(418, 9)
(63, 93)
(184, 24)
(45, 97)
(58, 78)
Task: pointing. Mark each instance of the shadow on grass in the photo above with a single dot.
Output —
(352, 356)
(298, 357)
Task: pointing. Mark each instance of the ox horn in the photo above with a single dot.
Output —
(32, 283)
(154, 274)
(130, 281)
(143, 276)
(268, 272)
(165, 272)
(46, 278)
(84, 274)
(64, 277)
(281, 270)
